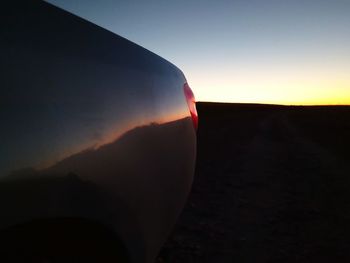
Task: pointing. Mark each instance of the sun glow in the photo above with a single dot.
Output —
(273, 87)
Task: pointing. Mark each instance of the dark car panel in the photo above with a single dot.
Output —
(92, 127)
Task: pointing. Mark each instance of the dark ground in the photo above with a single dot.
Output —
(272, 184)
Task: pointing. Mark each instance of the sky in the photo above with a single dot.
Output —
(251, 51)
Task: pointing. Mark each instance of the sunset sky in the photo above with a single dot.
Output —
(259, 51)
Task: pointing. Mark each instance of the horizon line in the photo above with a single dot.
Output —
(275, 104)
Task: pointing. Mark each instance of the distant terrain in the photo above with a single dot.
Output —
(272, 184)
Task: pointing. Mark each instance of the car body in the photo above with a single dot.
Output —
(97, 139)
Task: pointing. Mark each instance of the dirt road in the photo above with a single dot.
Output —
(272, 185)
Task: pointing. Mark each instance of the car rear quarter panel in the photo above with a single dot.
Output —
(92, 126)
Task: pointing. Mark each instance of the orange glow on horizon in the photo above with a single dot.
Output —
(273, 86)
(263, 95)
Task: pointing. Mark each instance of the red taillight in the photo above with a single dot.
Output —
(191, 102)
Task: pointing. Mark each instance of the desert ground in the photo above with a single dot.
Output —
(272, 184)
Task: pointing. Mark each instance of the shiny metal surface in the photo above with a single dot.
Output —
(91, 126)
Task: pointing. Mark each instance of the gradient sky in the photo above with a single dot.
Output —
(264, 51)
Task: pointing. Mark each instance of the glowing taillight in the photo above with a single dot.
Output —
(191, 102)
